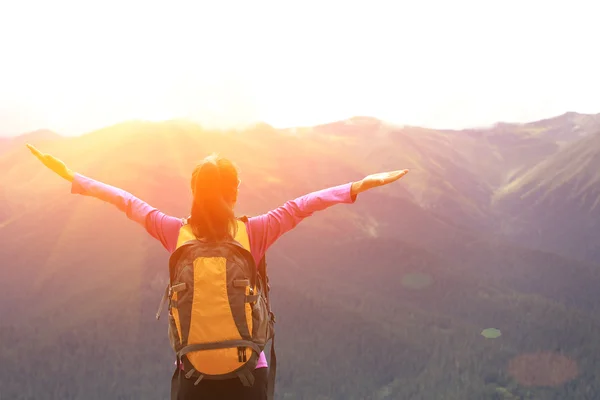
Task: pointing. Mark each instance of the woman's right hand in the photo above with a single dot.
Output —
(376, 180)
(53, 163)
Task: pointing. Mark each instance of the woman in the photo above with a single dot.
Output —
(214, 186)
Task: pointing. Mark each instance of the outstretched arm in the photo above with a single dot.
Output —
(265, 229)
(162, 227)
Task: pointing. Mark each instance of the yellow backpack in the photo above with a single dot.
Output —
(219, 313)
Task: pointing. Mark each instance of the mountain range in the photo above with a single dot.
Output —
(384, 299)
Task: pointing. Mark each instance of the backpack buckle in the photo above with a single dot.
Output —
(242, 354)
(179, 287)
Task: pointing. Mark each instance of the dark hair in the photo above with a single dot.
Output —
(214, 186)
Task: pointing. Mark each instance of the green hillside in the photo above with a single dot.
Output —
(555, 205)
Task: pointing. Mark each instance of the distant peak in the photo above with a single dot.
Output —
(261, 126)
(363, 120)
(40, 134)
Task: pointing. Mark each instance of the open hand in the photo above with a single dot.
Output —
(375, 180)
(52, 163)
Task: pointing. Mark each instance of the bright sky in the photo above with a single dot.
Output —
(75, 66)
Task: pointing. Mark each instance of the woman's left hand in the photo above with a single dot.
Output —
(376, 180)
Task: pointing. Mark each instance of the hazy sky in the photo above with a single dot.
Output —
(74, 66)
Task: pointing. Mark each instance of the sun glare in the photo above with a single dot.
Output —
(75, 66)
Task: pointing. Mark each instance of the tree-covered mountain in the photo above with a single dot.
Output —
(556, 204)
(382, 299)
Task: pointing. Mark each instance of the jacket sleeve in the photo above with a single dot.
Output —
(160, 226)
(265, 229)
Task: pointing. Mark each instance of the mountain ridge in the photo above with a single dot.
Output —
(363, 120)
(395, 288)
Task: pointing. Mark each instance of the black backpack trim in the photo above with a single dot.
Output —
(264, 276)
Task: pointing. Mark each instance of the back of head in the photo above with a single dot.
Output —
(215, 187)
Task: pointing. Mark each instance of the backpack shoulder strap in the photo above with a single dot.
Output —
(262, 270)
(272, 372)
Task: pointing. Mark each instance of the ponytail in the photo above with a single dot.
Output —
(214, 184)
